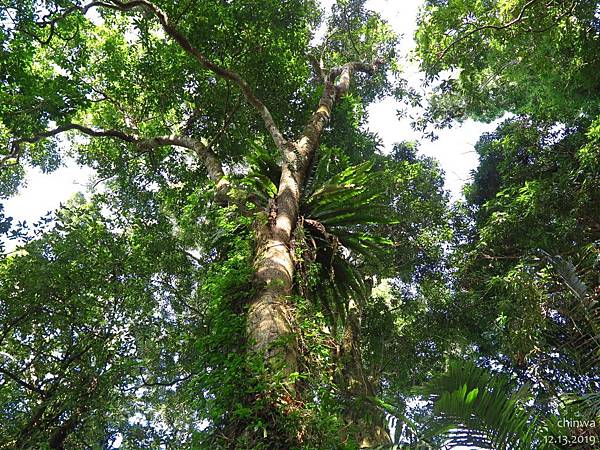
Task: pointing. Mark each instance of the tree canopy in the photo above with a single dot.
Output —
(256, 271)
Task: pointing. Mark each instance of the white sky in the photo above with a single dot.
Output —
(453, 149)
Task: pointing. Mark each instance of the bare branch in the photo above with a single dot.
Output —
(212, 164)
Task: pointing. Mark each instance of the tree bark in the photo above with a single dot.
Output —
(364, 420)
(270, 313)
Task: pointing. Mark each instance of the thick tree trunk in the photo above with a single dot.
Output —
(270, 314)
(270, 328)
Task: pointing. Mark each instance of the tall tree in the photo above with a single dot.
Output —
(231, 251)
(527, 235)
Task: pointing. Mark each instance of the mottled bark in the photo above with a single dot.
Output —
(270, 314)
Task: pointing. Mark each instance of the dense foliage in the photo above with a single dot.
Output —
(253, 271)
(527, 236)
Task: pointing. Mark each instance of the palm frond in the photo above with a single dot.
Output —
(363, 243)
(584, 311)
(476, 407)
(262, 176)
(568, 273)
(261, 187)
(586, 406)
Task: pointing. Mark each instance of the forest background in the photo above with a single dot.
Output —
(256, 272)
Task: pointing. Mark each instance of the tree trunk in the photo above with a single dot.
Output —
(269, 314)
(270, 329)
(364, 420)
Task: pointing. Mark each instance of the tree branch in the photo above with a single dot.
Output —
(212, 164)
(24, 384)
(185, 44)
(346, 71)
(317, 66)
(333, 91)
(516, 20)
(146, 383)
(226, 124)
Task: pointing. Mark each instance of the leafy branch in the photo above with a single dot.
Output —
(187, 46)
(499, 27)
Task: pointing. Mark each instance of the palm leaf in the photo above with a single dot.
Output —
(584, 312)
(261, 187)
(363, 243)
(475, 407)
(568, 273)
(586, 406)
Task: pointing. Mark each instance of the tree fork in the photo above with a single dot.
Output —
(270, 314)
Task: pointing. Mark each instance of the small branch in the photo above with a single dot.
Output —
(15, 146)
(349, 31)
(83, 9)
(516, 20)
(223, 129)
(190, 121)
(145, 383)
(568, 11)
(492, 257)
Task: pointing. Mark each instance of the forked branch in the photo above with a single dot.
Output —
(186, 45)
(346, 71)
